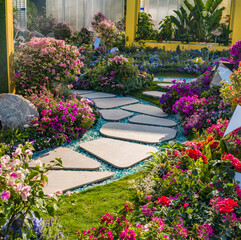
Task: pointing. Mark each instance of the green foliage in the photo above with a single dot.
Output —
(145, 27)
(62, 31)
(166, 29)
(84, 36)
(197, 22)
(118, 75)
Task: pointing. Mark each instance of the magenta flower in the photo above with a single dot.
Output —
(5, 195)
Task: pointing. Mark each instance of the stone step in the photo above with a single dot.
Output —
(115, 114)
(146, 109)
(137, 132)
(114, 102)
(118, 153)
(69, 180)
(165, 85)
(96, 95)
(155, 94)
(81, 92)
(149, 120)
(70, 159)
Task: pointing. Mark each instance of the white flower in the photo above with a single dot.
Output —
(38, 163)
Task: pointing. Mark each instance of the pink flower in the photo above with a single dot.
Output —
(29, 152)
(14, 175)
(5, 195)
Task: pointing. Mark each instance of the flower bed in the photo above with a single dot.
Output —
(187, 193)
(60, 120)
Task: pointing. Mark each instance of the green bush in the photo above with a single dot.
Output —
(118, 75)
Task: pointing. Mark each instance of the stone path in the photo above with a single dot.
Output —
(155, 94)
(126, 120)
(118, 153)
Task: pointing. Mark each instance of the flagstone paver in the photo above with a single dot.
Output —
(96, 95)
(155, 94)
(81, 92)
(137, 132)
(146, 109)
(115, 114)
(118, 153)
(70, 159)
(68, 180)
(114, 102)
(149, 120)
(165, 85)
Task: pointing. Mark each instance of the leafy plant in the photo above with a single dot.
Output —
(145, 27)
(166, 29)
(197, 21)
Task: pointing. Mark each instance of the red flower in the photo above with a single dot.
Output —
(195, 154)
(185, 204)
(164, 200)
(214, 144)
(226, 206)
(226, 209)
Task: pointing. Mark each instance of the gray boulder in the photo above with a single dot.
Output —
(16, 111)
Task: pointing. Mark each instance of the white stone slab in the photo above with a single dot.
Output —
(114, 102)
(68, 180)
(118, 153)
(81, 92)
(155, 94)
(115, 114)
(165, 85)
(70, 159)
(146, 109)
(169, 80)
(137, 132)
(149, 120)
(97, 95)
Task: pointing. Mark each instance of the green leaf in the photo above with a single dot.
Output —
(189, 210)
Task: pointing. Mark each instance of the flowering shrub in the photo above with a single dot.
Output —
(21, 190)
(60, 121)
(235, 54)
(199, 112)
(231, 93)
(183, 89)
(45, 25)
(98, 17)
(107, 31)
(62, 31)
(117, 75)
(84, 36)
(45, 60)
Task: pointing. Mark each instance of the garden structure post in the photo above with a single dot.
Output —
(236, 20)
(132, 10)
(6, 47)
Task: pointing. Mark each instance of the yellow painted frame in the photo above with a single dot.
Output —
(7, 45)
(133, 9)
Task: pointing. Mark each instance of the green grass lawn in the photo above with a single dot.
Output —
(83, 210)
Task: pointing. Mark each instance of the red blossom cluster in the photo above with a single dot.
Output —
(165, 201)
(234, 161)
(196, 154)
(226, 206)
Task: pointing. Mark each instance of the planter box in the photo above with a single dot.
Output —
(183, 46)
